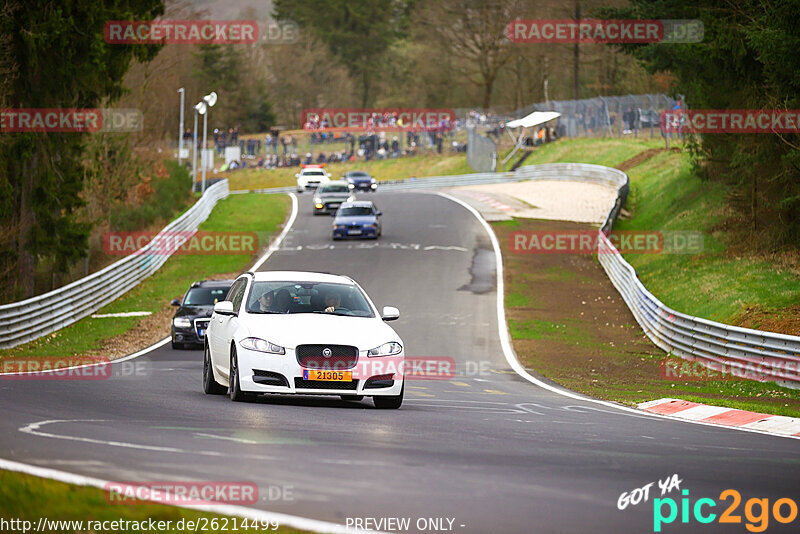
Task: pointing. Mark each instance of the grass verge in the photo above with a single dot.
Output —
(568, 323)
(382, 170)
(112, 337)
(721, 283)
(28, 498)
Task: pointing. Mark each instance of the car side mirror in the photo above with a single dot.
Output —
(390, 313)
(175, 302)
(378, 212)
(297, 176)
(328, 174)
(224, 307)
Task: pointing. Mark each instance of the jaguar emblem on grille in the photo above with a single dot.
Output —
(327, 352)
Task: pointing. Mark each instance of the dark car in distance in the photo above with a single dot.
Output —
(361, 180)
(190, 322)
(357, 219)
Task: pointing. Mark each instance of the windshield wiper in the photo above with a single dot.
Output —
(333, 313)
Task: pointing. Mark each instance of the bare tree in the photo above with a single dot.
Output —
(474, 31)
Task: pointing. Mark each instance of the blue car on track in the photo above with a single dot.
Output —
(361, 181)
(358, 219)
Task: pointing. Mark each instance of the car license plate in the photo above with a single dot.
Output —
(354, 232)
(333, 376)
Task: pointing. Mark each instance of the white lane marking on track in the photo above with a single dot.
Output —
(301, 523)
(35, 430)
(511, 357)
(275, 245)
(142, 352)
(227, 438)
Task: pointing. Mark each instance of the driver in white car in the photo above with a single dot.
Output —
(332, 301)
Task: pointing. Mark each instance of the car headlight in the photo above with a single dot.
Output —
(261, 345)
(351, 185)
(340, 226)
(368, 225)
(181, 322)
(319, 205)
(387, 349)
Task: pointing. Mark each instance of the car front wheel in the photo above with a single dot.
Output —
(210, 385)
(389, 403)
(236, 393)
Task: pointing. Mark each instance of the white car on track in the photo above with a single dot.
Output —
(291, 332)
(311, 177)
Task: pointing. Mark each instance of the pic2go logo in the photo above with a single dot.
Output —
(756, 511)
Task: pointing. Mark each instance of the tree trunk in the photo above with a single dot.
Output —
(25, 257)
(576, 59)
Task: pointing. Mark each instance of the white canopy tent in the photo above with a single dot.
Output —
(529, 121)
(534, 119)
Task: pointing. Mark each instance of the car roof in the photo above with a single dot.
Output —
(336, 182)
(213, 283)
(358, 204)
(301, 276)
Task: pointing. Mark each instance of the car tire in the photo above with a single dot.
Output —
(389, 403)
(210, 384)
(351, 397)
(236, 393)
(177, 346)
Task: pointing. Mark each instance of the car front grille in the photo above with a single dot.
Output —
(341, 357)
(299, 383)
(201, 324)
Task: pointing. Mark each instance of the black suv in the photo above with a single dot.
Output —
(191, 319)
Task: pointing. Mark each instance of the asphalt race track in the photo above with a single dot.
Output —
(487, 448)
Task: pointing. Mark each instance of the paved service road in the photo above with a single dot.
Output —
(487, 449)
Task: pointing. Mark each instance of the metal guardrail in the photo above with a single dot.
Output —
(32, 318)
(753, 353)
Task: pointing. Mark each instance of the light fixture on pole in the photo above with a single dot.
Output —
(208, 102)
(180, 129)
(201, 109)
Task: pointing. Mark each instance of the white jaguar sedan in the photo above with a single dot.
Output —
(303, 333)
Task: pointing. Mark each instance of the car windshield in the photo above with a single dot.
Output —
(354, 210)
(313, 173)
(335, 189)
(308, 297)
(205, 296)
(358, 175)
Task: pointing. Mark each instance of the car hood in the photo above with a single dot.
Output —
(361, 219)
(194, 311)
(290, 330)
(334, 196)
(359, 180)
